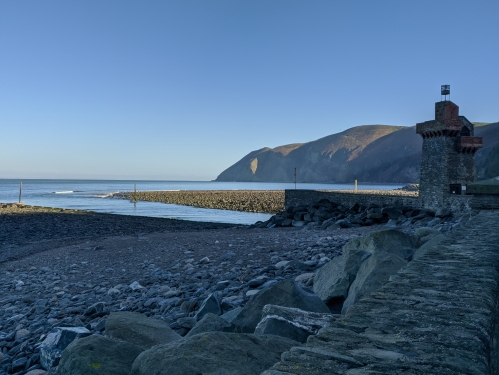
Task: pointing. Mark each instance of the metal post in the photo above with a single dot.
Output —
(20, 191)
(355, 185)
(295, 178)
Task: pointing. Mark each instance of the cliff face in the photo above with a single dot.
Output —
(369, 153)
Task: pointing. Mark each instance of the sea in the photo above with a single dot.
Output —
(96, 195)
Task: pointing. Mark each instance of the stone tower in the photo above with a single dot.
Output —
(448, 161)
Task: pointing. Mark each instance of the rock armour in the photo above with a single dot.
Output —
(435, 316)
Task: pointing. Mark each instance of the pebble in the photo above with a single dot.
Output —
(50, 298)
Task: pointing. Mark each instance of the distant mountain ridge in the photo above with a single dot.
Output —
(368, 153)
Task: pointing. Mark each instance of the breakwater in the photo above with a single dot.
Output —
(437, 315)
(265, 201)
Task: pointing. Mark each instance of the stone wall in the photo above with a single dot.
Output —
(457, 203)
(306, 197)
(484, 202)
(433, 174)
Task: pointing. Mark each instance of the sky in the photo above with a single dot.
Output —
(182, 89)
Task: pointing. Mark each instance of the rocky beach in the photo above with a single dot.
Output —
(71, 268)
(67, 274)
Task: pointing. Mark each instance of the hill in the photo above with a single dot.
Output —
(368, 153)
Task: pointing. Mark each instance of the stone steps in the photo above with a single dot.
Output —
(436, 316)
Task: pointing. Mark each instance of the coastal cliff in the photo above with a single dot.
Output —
(373, 153)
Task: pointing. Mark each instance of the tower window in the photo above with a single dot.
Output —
(455, 189)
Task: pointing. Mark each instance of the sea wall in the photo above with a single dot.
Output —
(349, 198)
(456, 204)
(437, 315)
(484, 202)
(265, 201)
(273, 201)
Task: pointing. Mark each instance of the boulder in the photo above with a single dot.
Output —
(184, 325)
(209, 323)
(138, 329)
(304, 277)
(424, 232)
(210, 305)
(391, 240)
(332, 281)
(229, 316)
(443, 212)
(37, 372)
(217, 353)
(98, 355)
(56, 341)
(343, 223)
(430, 243)
(292, 323)
(392, 212)
(284, 293)
(372, 274)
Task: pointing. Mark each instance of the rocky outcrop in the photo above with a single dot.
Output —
(213, 353)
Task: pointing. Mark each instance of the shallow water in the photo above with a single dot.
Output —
(95, 195)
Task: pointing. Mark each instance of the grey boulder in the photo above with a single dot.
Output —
(284, 293)
(429, 244)
(209, 323)
(373, 273)
(56, 341)
(229, 316)
(213, 353)
(391, 240)
(98, 355)
(332, 281)
(292, 323)
(210, 305)
(138, 329)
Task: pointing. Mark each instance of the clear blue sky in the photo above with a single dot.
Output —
(183, 89)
